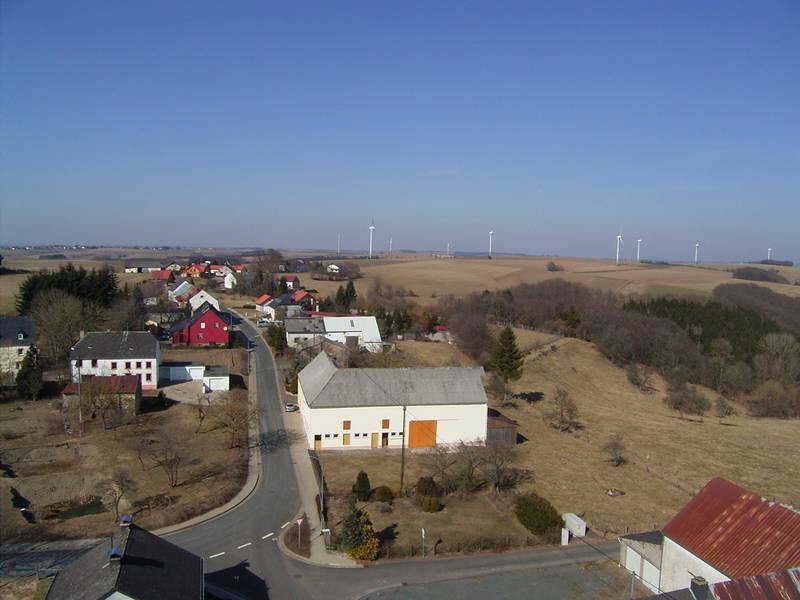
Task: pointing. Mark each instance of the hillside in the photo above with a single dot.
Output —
(669, 458)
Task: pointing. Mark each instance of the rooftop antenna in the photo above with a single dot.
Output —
(491, 233)
(696, 253)
(371, 231)
(638, 249)
(769, 253)
(619, 243)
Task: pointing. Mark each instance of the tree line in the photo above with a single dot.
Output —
(98, 286)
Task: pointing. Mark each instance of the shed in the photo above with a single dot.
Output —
(500, 430)
(216, 379)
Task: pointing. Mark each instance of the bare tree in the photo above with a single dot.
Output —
(439, 462)
(615, 448)
(470, 460)
(59, 319)
(203, 409)
(168, 454)
(496, 465)
(563, 413)
(234, 416)
(119, 486)
(778, 359)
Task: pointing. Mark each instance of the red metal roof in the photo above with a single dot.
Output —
(301, 294)
(107, 384)
(161, 275)
(291, 278)
(736, 531)
(784, 585)
(440, 328)
(263, 299)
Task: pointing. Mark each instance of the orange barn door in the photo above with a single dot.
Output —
(422, 434)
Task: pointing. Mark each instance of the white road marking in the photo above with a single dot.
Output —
(216, 555)
(270, 534)
(243, 545)
(285, 524)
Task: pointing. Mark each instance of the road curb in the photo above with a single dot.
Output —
(253, 479)
(294, 556)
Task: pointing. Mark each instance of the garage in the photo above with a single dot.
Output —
(640, 553)
(216, 379)
(422, 434)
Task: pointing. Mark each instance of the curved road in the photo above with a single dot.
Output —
(241, 554)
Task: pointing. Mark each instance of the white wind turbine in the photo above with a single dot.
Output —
(696, 253)
(769, 253)
(619, 243)
(491, 233)
(638, 249)
(390, 246)
(371, 232)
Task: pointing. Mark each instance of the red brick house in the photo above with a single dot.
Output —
(206, 326)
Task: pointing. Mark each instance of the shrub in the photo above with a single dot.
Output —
(359, 539)
(552, 267)
(723, 408)
(430, 504)
(756, 274)
(361, 487)
(248, 305)
(382, 493)
(538, 516)
(615, 448)
(426, 486)
(774, 399)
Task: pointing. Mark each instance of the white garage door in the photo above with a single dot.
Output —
(632, 560)
(650, 575)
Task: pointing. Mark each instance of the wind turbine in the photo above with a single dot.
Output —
(448, 248)
(338, 244)
(390, 246)
(696, 252)
(371, 231)
(619, 243)
(491, 233)
(769, 253)
(638, 249)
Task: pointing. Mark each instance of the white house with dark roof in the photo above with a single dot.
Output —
(117, 353)
(362, 331)
(377, 408)
(16, 337)
(200, 298)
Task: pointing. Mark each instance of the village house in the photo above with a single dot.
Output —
(332, 268)
(777, 585)
(378, 408)
(229, 281)
(292, 282)
(239, 267)
(117, 353)
(179, 290)
(164, 276)
(303, 331)
(133, 564)
(121, 396)
(363, 332)
(207, 325)
(284, 302)
(725, 532)
(16, 337)
(305, 299)
(201, 297)
(261, 302)
(195, 270)
(174, 267)
(214, 269)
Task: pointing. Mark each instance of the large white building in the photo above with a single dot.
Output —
(16, 337)
(725, 532)
(377, 408)
(363, 330)
(117, 353)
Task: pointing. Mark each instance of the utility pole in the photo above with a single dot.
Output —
(403, 453)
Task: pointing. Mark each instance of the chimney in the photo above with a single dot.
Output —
(699, 588)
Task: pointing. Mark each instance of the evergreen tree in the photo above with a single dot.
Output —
(361, 487)
(359, 539)
(339, 300)
(350, 294)
(29, 377)
(506, 358)
(283, 287)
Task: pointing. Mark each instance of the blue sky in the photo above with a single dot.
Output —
(284, 123)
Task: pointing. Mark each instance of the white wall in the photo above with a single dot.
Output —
(292, 339)
(678, 565)
(11, 358)
(455, 423)
(181, 372)
(200, 297)
(123, 366)
(644, 569)
(216, 383)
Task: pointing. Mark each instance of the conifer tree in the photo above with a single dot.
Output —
(506, 358)
(29, 377)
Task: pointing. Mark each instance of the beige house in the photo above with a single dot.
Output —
(16, 337)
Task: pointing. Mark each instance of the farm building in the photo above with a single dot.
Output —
(360, 331)
(500, 430)
(725, 532)
(374, 408)
(117, 353)
(206, 326)
(121, 395)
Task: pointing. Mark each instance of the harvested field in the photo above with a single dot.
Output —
(65, 477)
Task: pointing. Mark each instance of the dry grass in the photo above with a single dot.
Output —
(463, 521)
(53, 467)
(415, 354)
(669, 458)
(234, 358)
(24, 588)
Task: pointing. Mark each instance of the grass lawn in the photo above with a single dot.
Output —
(52, 468)
(234, 358)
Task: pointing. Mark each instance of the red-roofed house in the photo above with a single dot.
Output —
(206, 326)
(239, 268)
(306, 300)
(292, 282)
(195, 270)
(214, 269)
(261, 302)
(165, 276)
(117, 397)
(725, 532)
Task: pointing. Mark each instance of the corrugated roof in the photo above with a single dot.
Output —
(736, 531)
(783, 585)
(325, 386)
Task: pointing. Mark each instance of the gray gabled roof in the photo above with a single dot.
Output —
(150, 568)
(115, 344)
(304, 325)
(325, 386)
(11, 327)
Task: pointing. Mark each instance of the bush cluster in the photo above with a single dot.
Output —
(539, 516)
(382, 493)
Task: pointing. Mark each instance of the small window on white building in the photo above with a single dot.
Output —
(327, 435)
(335, 435)
(20, 351)
(20, 336)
